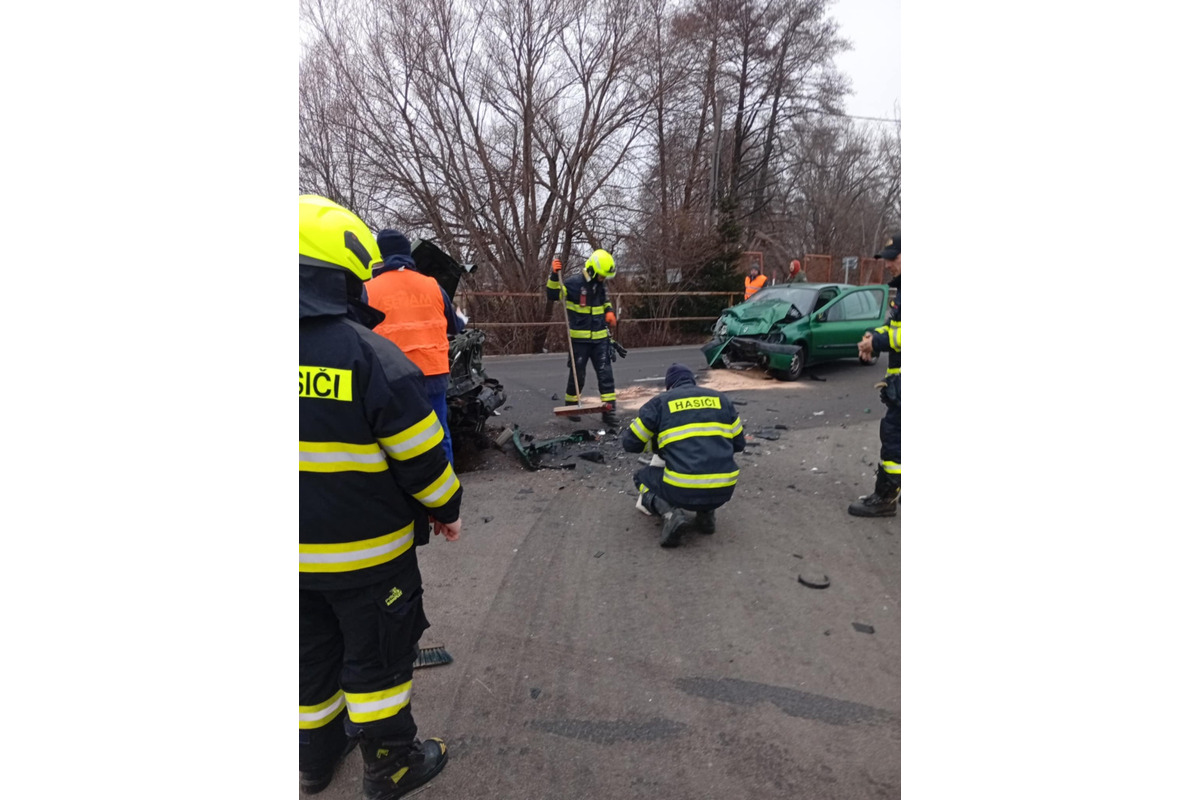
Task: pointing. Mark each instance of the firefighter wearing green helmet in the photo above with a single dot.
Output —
(372, 475)
(589, 313)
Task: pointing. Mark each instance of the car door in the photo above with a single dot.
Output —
(838, 327)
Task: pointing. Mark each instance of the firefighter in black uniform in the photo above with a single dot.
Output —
(589, 314)
(886, 497)
(693, 433)
(372, 475)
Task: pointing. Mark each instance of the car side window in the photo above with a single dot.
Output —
(836, 312)
(860, 305)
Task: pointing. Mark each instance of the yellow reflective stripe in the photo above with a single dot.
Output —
(893, 371)
(639, 429)
(322, 713)
(709, 481)
(440, 491)
(890, 467)
(571, 398)
(737, 426)
(697, 429)
(415, 439)
(553, 283)
(600, 334)
(374, 706)
(608, 397)
(349, 556)
(578, 309)
(341, 457)
(894, 338)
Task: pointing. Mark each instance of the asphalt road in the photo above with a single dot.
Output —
(591, 663)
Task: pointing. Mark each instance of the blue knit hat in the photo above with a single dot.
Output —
(676, 373)
(393, 243)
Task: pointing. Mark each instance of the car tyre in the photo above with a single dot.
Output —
(794, 369)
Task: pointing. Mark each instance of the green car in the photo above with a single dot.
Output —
(789, 326)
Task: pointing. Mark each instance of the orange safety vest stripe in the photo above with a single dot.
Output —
(753, 286)
(415, 317)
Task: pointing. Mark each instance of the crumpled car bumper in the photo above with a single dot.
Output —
(747, 349)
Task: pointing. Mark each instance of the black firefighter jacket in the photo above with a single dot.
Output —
(587, 303)
(372, 467)
(696, 432)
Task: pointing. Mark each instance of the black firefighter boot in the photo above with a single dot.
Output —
(609, 416)
(392, 770)
(673, 519)
(706, 522)
(314, 780)
(883, 501)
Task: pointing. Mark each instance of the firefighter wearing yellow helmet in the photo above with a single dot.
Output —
(372, 473)
(589, 315)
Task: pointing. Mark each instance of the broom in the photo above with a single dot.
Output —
(582, 408)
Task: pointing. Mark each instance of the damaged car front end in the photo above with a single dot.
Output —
(787, 327)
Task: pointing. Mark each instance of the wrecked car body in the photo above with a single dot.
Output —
(786, 327)
(472, 397)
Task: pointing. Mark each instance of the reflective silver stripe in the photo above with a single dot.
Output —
(414, 440)
(331, 457)
(639, 430)
(315, 719)
(399, 543)
(440, 490)
(378, 705)
(696, 429)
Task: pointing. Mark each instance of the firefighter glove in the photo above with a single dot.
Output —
(611, 318)
(557, 265)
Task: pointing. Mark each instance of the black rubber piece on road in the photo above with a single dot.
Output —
(814, 580)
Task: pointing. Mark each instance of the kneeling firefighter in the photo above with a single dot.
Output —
(372, 475)
(694, 433)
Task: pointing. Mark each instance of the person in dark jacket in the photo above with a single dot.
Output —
(589, 315)
(693, 433)
(372, 476)
(884, 501)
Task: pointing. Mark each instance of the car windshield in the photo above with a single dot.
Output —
(801, 297)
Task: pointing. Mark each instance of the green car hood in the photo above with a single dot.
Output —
(753, 319)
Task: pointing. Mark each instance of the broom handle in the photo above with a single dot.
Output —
(570, 347)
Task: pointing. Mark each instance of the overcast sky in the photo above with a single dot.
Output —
(873, 27)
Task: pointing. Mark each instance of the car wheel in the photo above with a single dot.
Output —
(794, 368)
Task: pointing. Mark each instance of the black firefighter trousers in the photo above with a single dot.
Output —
(888, 477)
(599, 353)
(357, 650)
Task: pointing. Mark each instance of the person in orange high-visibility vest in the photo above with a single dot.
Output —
(754, 282)
(419, 319)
